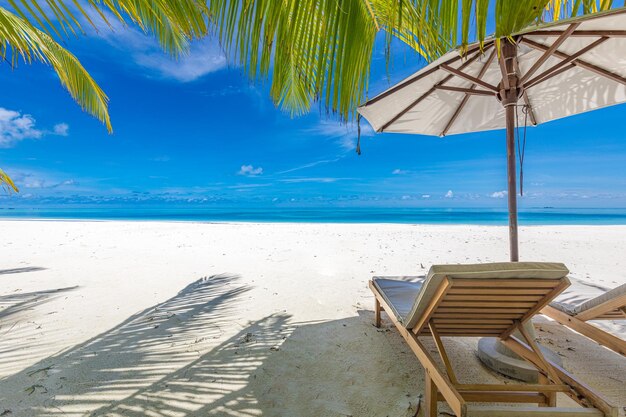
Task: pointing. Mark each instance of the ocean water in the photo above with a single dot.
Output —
(540, 216)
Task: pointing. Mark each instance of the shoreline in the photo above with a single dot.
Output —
(321, 222)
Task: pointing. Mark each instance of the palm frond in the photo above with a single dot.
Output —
(173, 22)
(313, 49)
(18, 38)
(470, 20)
(7, 183)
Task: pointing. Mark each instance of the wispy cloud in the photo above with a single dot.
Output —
(449, 194)
(250, 171)
(499, 194)
(316, 179)
(344, 135)
(399, 172)
(16, 126)
(309, 165)
(204, 56)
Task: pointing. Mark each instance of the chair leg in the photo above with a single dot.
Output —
(377, 309)
(430, 397)
(550, 396)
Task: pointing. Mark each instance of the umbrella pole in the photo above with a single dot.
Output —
(512, 180)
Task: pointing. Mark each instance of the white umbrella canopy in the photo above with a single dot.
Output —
(588, 72)
(553, 71)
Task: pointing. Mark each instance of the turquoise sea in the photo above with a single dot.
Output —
(480, 216)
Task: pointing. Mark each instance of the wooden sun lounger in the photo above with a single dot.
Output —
(484, 300)
(608, 306)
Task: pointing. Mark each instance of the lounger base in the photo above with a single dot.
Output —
(513, 367)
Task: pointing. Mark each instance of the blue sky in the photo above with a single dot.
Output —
(197, 131)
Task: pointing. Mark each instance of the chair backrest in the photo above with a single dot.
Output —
(485, 299)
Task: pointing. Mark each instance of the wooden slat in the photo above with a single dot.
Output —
(508, 283)
(481, 310)
(457, 319)
(487, 304)
(461, 324)
(494, 291)
(492, 297)
(479, 316)
(513, 387)
(533, 345)
(503, 397)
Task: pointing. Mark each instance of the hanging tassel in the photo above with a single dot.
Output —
(358, 138)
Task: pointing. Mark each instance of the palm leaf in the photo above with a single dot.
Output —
(313, 49)
(173, 22)
(18, 38)
(7, 183)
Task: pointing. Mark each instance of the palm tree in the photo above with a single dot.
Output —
(28, 33)
(321, 50)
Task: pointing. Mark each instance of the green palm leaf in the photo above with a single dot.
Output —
(7, 183)
(18, 38)
(318, 49)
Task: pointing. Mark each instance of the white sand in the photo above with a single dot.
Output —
(123, 318)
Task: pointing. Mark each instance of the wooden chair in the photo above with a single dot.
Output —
(484, 300)
(608, 306)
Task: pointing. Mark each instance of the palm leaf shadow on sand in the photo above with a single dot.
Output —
(144, 348)
(21, 270)
(17, 326)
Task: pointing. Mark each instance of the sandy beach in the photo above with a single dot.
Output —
(238, 319)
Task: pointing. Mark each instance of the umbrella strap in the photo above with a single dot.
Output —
(358, 138)
(521, 145)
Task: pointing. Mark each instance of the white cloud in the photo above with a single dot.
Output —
(322, 180)
(16, 126)
(309, 165)
(449, 194)
(204, 56)
(399, 172)
(250, 171)
(406, 197)
(345, 135)
(425, 195)
(499, 194)
(61, 129)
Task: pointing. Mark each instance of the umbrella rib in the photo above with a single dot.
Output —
(580, 33)
(580, 63)
(551, 72)
(470, 90)
(469, 78)
(548, 52)
(427, 93)
(456, 113)
(418, 77)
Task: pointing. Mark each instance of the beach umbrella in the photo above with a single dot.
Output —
(543, 73)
